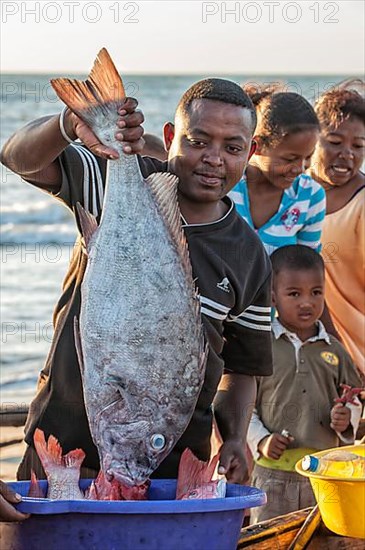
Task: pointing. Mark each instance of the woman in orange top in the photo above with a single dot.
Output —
(336, 164)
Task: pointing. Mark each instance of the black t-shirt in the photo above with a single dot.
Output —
(232, 273)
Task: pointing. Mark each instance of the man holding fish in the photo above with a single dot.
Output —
(209, 146)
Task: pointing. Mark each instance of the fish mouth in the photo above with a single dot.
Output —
(122, 473)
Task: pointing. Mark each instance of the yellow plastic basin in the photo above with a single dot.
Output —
(341, 501)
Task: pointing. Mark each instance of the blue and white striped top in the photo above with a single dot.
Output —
(299, 219)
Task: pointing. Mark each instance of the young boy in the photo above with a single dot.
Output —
(208, 149)
(295, 410)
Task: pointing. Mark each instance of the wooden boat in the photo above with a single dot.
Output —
(294, 532)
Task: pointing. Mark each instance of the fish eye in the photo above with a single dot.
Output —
(158, 442)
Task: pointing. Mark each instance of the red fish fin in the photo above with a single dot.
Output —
(35, 490)
(193, 472)
(88, 223)
(74, 459)
(50, 453)
(78, 345)
(103, 85)
(209, 472)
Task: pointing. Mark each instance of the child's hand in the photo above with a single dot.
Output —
(273, 445)
(340, 418)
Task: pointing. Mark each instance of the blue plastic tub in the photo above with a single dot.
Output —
(160, 523)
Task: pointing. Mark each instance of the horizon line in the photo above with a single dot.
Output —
(194, 73)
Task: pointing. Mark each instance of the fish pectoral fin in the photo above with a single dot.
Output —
(88, 223)
(78, 345)
(164, 189)
(88, 98)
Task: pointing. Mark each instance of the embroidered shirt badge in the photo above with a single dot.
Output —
(290, 218)
(330, 358)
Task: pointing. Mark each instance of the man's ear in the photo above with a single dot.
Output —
(168, 134)
(273, 298)
(259, 145)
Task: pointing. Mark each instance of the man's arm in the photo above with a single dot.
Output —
(233, 407)
(33, 151)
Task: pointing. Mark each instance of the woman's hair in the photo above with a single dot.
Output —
(280, 113)
(344, 101)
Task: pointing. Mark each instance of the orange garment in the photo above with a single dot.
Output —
(343, 240)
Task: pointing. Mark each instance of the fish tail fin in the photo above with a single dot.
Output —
(50, 453)
(193, 472)
(74, 459)
(35, 490)
(47, 457)
(98, 95)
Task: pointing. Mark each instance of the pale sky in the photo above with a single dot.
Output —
(256, 37)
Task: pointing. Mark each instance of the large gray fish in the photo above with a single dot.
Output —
(140, 343)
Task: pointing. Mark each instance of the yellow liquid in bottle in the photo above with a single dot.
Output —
(336, 464)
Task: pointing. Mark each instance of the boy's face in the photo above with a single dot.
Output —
(340, 152)
(288, 159)
(298, 296)
(209, 148)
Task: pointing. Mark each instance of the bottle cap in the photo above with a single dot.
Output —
(310, 463)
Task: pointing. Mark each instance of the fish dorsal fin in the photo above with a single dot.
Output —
(88, 223)
(78, 345)
(164, 189)
(102, 88)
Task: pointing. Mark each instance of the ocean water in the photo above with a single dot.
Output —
(37, 232)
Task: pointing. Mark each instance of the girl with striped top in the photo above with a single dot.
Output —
(275, 197)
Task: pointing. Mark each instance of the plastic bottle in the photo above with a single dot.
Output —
(336, 464)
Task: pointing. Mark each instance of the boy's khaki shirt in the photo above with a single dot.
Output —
(300, 394)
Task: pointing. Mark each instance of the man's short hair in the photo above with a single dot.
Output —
(296, 257)
(217, 89)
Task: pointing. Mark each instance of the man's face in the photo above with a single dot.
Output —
(209, 148)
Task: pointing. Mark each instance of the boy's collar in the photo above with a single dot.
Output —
(230, 205)
(278, 330)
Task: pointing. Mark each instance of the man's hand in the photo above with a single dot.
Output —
(232, 462)
(129, 131)
(340, 418)
(7, 498)
(273, 446)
